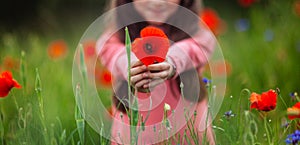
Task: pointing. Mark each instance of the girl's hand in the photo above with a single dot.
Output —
(139, 76)
(159, 73)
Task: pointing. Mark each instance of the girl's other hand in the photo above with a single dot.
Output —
(139, 75)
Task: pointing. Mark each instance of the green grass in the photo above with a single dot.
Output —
(256, 64)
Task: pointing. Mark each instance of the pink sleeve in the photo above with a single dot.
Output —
(192, 52)
(113, 55)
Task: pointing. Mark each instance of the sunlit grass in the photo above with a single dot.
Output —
(45, 111)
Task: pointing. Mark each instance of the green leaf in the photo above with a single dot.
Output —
(128, 50)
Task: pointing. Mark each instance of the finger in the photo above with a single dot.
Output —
(137, 63)
(138, 69)
(153, 83)
(136, 78)
(161, 75)
(142, 83)
(159, 66)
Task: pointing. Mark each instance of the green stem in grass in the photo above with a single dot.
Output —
(130, 113)
(22, 71)
(279, 95)
(63, 137)
(79, 114)
(267, 130)
(38, 90)
(82, 64)
(1, 127)
(244, 93)
(128, 50)
(193, 132)
(15, 100)
(189, 122)
(133, 103)
(207, 113)
(80, 126)
(79, 118)
(205, 132)
(283, 134)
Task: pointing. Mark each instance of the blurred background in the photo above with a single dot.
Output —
(260, 40)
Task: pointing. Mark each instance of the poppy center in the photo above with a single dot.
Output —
(148, 48)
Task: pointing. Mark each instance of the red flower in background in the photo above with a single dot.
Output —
(57, 49)
(103, 76)
(10, 63)
(264, 102)
(7, 83)
(297, 7)
(294, 112)
(212, 20)
(246, 3)
(219, 68)
(89, 48)
(152, 47)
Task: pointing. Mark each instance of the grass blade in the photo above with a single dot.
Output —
(22, 70)
(79, 118)
(38, 90)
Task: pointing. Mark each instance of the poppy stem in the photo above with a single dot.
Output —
(1, 126)
(22, 72)
(267, 131)
(15, 100)
(279, 95)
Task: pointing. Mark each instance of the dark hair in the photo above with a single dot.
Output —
(125, 16)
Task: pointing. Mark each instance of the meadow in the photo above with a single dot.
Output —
(261, 46)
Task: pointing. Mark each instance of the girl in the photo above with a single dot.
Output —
(159, 84)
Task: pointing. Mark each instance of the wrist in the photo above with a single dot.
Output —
(173, 68)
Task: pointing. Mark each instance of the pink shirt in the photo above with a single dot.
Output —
(185, 54)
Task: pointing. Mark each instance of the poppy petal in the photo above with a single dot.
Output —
(152, 47)
(152, 31)
(7, 83)
(264, 102)
(294, 112)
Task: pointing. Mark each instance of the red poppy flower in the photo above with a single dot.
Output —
(211, 19)
(264, 102)
(7, 83)
(246, 3)
(294, 112)
(57, 49)
(152, 47)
